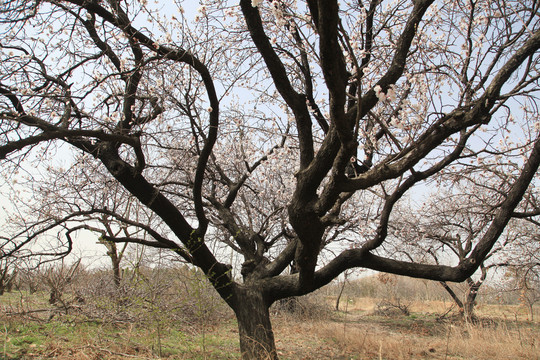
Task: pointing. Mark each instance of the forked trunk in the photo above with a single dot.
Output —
(471, 302)
(465, 308)
(255, 328)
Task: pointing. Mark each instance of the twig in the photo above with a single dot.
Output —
(441, 317)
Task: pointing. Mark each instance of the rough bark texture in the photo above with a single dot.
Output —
(466, 308)
(254, 326)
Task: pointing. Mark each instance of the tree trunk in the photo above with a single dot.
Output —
(255, 328)
(471, 301)
(530, 307)
(345, 276)
(339, 295)
(465, 308)
(117, 274)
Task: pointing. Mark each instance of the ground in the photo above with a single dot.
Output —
(356, 332)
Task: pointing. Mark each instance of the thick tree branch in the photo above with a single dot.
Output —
(294, 100)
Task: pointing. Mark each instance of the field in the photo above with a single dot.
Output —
(31, 329)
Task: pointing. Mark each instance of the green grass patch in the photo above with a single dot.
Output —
(25, 338)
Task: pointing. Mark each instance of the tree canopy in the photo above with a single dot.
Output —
(287, 132)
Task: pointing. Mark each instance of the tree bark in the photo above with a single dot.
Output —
(471, 301)
(117, 273)
(254, 326)
(345, 275)
(339, 295)
(453, 295)
(465, 308)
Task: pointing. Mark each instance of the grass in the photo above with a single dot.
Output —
(354, 334)
(374, 337)
(81, 340)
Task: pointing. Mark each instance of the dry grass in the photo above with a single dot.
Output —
(368, 305)
(369, 341)
(308, 335)
(372, 338)
(358, 334)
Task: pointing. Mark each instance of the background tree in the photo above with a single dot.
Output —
(285, 131)
(445, 228)
(8, 275)
(66, 199)
(449, 222)
(525, 281)
(523, 265)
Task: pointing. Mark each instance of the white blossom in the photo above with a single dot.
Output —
(397, 123)
(391, 94)
(379, 93)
